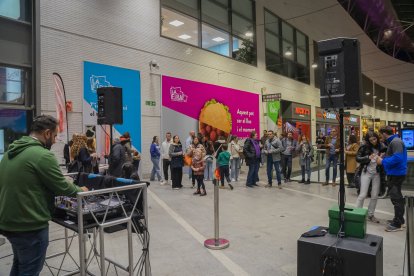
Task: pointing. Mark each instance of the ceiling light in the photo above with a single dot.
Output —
(410, 109)
(176, 23)
(387, 33)
(396, 106)
(184, 36)
(249, 34)
(288, 52)
(402, 108)
(386, 103)
(391, 105)
(380, 100)
(218, 39)
(367, 93)
(314, 65)
(374, 97)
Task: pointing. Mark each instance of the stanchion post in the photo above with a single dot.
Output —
(410, 234)
(216, 243)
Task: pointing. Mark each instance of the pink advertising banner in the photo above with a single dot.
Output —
(214, 110)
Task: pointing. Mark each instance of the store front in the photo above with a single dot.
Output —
(408, 124)
(326, 121)
(352, 126)
(296, 118)
(369, 123)
(396, 126)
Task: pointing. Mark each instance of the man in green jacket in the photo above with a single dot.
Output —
(30, 178)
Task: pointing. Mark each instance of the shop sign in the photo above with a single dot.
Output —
(271, 97)
(394, 123)
(302, 111)
(326, 116)
(408, 124)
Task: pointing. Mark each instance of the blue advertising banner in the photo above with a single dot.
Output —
(100, 75)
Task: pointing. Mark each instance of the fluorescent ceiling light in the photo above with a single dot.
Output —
(184, 36)
(380, 100)
(402, 108)
(176, 23)
(288, 52)
(314, 65)
(367, 93)
(396, 106)
(249, 34)
(391, 105)
(386, 103)
(374, 97)
(218, 39)
(410, 109)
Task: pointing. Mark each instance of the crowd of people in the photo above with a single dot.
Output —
(30, 175)
(366, 168)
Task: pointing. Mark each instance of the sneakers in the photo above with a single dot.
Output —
(231, 186)
(175, 188)
(373, 219)
(162, 183)
(392, 228)
(233, 180)
(403, 225)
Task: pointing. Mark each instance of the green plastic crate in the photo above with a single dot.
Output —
(355, 221)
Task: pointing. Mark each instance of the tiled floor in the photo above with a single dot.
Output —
(262, 224)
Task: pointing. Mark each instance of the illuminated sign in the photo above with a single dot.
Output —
(302, 111)
(329, 115)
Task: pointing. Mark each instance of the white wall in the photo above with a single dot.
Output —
(127, 34)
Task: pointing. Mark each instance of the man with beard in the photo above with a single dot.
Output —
(30, 178)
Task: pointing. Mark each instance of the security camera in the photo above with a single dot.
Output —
(154, 64)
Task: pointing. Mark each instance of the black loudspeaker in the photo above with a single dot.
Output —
(340, 79)
(109, 105)
(330, 256)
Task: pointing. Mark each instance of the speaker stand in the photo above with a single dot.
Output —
(111, 139)
(341, 176)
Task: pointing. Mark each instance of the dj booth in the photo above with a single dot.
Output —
(111, 204)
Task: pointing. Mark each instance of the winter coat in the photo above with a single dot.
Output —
(274, 147)
(350, 158)
(304, 154)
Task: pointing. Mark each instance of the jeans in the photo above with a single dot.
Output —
(306, 168)
(208, 171)
(286, 165)
(394, 183)
(165, 164)
(270, 165)
(366, 179)
(224, 173)
(350, 177)
(334, 159)
(253, 173)
(155, 168)
(235, 168)
(29, 250)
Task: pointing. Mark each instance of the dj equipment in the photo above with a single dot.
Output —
(341, 79)
(109, 105)
(329, 255)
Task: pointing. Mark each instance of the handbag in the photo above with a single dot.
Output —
(187, 160)
(357, 177)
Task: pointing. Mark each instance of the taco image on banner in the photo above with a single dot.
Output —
(215, 120)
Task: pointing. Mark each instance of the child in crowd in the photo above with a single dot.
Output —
(223, 162)
(198, 165)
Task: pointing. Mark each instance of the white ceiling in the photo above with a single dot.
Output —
(324, 19)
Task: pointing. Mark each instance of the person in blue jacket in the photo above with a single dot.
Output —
(395, 164)
(155, 159)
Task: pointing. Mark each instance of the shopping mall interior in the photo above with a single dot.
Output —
(218, 69)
